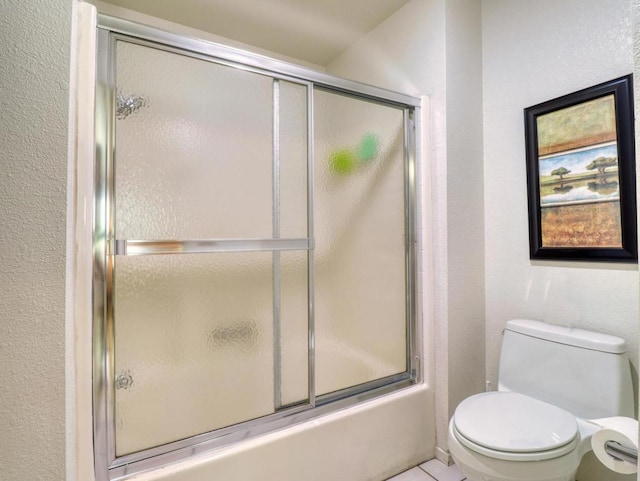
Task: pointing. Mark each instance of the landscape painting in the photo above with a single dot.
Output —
(580, 198)
(578, 160)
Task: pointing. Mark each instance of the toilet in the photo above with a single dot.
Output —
(554, 382)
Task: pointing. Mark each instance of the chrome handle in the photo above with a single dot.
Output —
(620, 452)
(203, 246)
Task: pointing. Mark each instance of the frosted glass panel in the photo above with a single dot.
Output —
(360, 296)
(193, 138)
(294, 327)
(293, 160)
(194, 345)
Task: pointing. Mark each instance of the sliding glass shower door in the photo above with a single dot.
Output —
(203, 334)
(360, 234)
(254, 247)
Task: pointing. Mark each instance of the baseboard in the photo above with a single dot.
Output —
(443, 456)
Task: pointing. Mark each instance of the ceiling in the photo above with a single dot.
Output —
(315, 31)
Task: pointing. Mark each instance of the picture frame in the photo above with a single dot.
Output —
(580, 156)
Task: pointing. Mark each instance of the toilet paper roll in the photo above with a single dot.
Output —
(619, 429)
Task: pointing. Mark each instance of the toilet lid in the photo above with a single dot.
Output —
(515, 423)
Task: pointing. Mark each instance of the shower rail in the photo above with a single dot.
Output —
(233, 56)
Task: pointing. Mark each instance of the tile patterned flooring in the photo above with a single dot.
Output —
(429, 471)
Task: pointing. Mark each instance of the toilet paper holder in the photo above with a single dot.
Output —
(621, 452)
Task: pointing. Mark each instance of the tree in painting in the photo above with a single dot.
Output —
(601, 163)
(560, 171)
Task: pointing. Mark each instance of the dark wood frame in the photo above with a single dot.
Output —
(622, 88)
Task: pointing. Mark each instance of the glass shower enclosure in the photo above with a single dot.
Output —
(254, 245)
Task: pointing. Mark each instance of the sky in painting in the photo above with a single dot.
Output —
(576, 161)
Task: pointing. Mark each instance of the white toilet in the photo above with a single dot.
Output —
(552, 381)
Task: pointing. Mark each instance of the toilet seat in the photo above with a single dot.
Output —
(514, 427)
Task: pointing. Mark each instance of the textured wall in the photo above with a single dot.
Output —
(532, 54)
(535, 51)
(465, 197)
(34, 63)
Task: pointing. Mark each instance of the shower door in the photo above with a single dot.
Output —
(210, 224)
(254, 247)
(360, 241)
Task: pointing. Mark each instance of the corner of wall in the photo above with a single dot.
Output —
(79, 423)
(465, 200)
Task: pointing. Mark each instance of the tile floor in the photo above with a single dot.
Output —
(429, 471)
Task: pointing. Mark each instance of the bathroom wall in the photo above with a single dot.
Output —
(434, 48)
(34, 83)
(535, 52)
(134, 16)
(532, 52)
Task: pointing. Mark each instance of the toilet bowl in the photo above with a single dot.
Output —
(536, 427)
(506, 436)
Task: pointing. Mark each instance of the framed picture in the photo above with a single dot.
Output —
(581, 175)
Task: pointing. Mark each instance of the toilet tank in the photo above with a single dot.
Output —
(586, 373)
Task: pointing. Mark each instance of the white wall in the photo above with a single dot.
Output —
(535, 52)
(144, 19)
(532, 52)
(434, 48)
(34, 87)
(465, 196)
